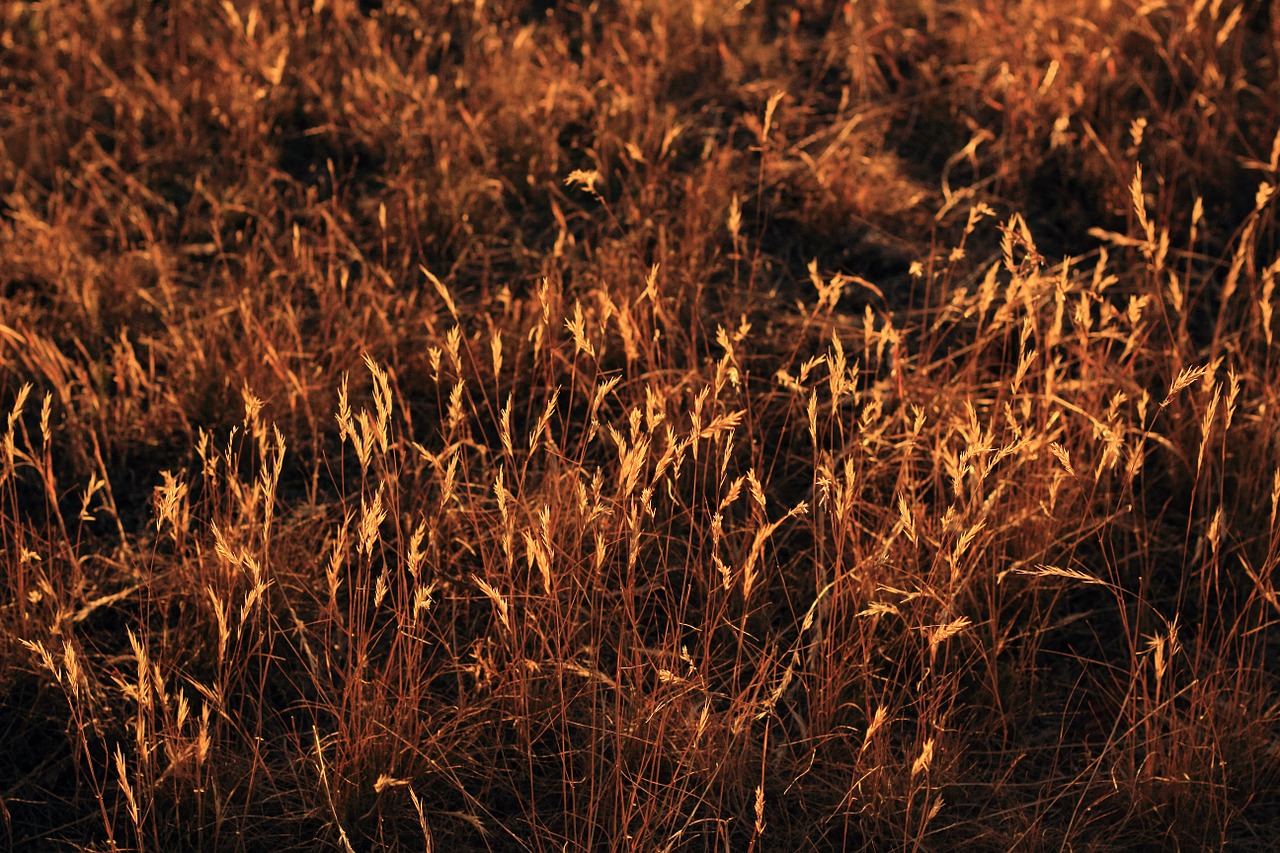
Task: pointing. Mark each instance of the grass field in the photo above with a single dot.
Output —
(644, 425)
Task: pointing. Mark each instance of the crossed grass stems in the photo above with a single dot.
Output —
(653, 554)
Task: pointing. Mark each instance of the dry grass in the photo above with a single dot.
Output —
(655, 425)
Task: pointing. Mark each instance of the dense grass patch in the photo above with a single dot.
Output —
(644, 425)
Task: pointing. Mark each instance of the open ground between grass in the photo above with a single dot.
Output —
(645, 425)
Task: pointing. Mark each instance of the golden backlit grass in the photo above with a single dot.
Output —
(641, 426)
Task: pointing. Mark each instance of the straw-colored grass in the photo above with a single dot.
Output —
(644, 426)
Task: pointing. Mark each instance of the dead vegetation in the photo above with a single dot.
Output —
(653, 425)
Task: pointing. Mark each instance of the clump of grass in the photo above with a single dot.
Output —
(656, 426)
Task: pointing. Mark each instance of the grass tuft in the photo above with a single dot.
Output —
(639, 425)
